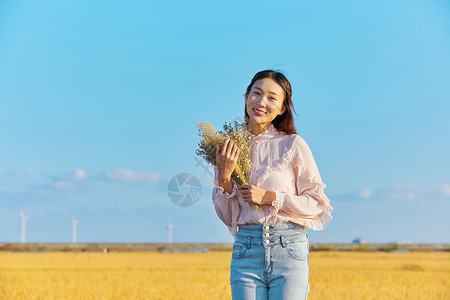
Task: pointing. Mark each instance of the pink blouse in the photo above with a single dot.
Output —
(284, 164)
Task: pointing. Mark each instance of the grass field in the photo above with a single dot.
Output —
(154, 275)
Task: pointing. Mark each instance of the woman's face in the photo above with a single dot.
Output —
(264, 102)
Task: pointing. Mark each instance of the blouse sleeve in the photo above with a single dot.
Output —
(309, 207)
(226, 205)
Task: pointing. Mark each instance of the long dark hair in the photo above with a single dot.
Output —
(284, 122)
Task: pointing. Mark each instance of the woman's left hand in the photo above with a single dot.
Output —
(253, 194)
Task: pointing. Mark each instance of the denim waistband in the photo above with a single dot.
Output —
(271, 231)
(271, 226)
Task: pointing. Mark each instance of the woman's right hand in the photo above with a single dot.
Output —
(226, 159)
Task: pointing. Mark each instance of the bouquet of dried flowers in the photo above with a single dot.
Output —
(240, 134)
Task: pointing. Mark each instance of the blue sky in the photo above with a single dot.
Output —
(98, 104)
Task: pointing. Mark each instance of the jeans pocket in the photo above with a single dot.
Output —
(298, 250)
(239, 251)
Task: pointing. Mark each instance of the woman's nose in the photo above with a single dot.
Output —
(261, 101)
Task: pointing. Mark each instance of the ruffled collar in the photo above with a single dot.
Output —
(266, 134)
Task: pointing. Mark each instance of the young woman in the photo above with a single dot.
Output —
(271, 249)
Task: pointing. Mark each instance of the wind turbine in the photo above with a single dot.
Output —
(169, 228)
(23, 218)
(74, 231)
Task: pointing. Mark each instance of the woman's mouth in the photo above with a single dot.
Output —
(258, 112)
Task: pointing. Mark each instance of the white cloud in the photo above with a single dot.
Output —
(409, 192)
(68, 181)
(445, 190)
(120, 174)
(152, 176)
(78, 174)
(13, 192)
(403, 195)
(365, 193)
(18, 173)
(43, 192)
(61, 184)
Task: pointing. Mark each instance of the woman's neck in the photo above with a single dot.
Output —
(256, 129)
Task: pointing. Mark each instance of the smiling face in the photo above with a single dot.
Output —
(263, 103)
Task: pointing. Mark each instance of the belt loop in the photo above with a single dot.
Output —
(249, 239)
(283, 243)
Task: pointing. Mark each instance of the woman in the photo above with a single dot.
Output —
(271, 249)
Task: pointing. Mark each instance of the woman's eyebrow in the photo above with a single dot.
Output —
(269, 92)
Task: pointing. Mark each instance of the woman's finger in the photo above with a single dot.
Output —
(244, 186)
(243, 193)
(235, 153)
(224, 146)
(230, 147)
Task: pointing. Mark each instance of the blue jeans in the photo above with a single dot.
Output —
(270, 261)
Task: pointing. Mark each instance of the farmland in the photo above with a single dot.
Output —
(157, 275)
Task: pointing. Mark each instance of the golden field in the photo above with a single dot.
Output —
(155, 275)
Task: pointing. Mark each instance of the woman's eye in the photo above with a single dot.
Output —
(272, 98)
(256, 93)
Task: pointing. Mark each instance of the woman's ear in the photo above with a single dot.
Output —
(282, 110)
